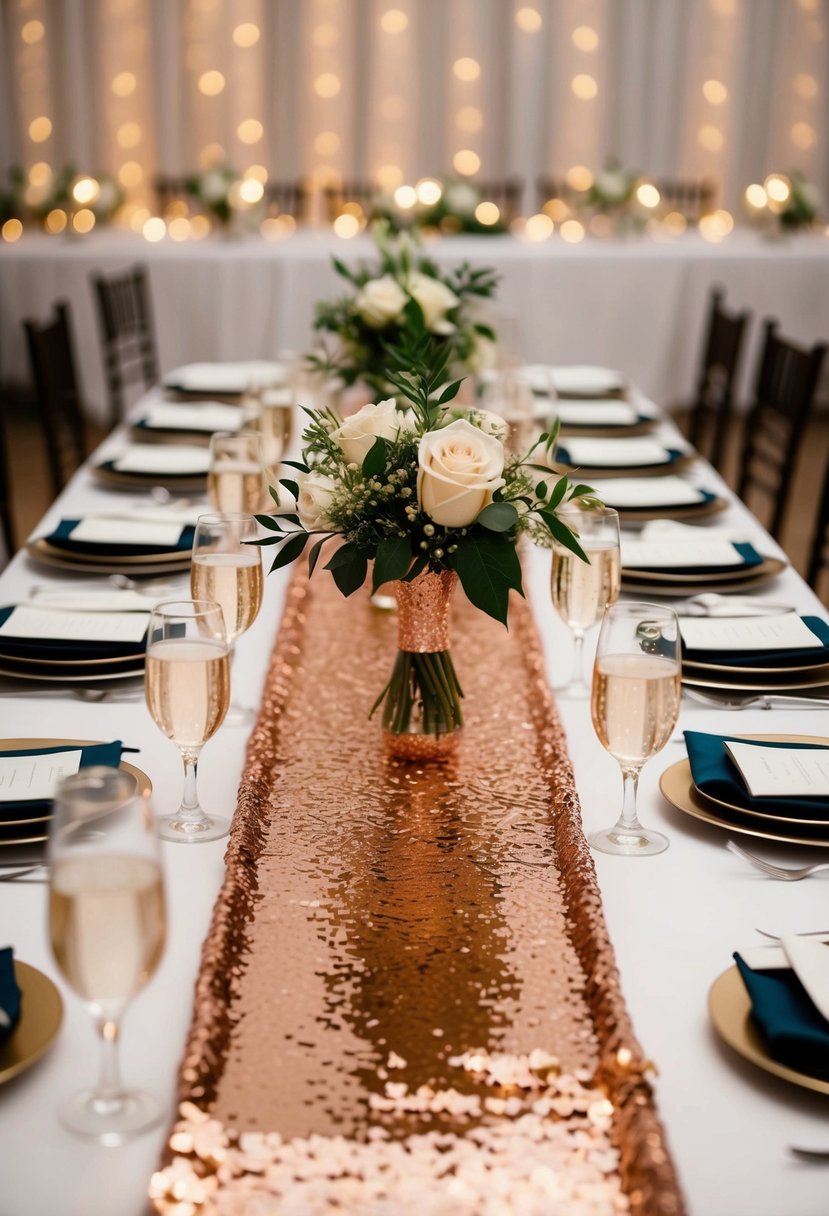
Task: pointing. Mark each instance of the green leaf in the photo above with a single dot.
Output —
(313, 556)
(450, 392)
(297, 464)
(417, 567)
(391, 561)
(541, 490)
(563, 535)
(414, 315)
(291, 550)
(488, 570)
(291, 486)
(485, 331)
(343, 270)
(274, 493)
(498, 517)
(580, 491)
(375, 458)
(266, 540)
(352, 574)
(558, 493)
(269, 521)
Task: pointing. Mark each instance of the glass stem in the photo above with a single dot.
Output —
(629, 819)
(190, 808)
(577, 674)
(110, 1086)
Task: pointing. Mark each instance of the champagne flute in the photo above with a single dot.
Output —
(187, 688)
(107, 928)
(228, 569)
(274, 422)
(581, 591)
(635, 703)
(236, 476)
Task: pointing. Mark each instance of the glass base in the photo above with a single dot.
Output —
(641, 842)
(188, 831)
(111, 1121)
(573, 692)
(239, 715)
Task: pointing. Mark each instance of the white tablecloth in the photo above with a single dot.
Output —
(636, 305)
(674, 920)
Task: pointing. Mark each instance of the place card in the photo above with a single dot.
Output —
(733, 634)
(30, 621)
(671, 529)
(616, 453)
(225, 377)
(638, 554)
(106, 530)
(35, 778)
(208, 416)
(782, 772)
(667, 491)
(163, 458)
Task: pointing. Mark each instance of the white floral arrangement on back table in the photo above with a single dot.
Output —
(415, 483)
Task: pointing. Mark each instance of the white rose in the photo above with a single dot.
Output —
(436, 299)
(356, 435)
(462, 199)
(213, 186)
(460, 469)
(380, 301)
(483, 356)
(315, 494)
(613, 184)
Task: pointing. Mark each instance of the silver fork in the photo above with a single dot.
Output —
(784, 873)
(727, 700)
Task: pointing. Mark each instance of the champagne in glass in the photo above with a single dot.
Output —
(582, 590)
(274, 419)
(187, 689)
(236, 478)
(107, 927)
(634, 706)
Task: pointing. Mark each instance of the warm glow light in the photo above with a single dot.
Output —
(327, 143)
(715, 226)
(803, 135)
(572, 231)
(352, 207)
(710, 137)
(556, 209)
(724, 218)
(466, 162)
(675, 223)
(40, 173)
(579, 177)
(428, 191)
(756, 196)
(777, 187)
(12, 230)
(277, 227)
(137, 217)
(469, 119)
(466, 69)
(258, 172)
(325, 35)
(487, 213)
(805, 85)
(55, 221)
(211, 83)
(346, 226)
(179, 228)
(393, 21)
(199, 227)
(211, 154)
(327, 84)
(246, 34)
(32, 32)
(128, 135)
(83, 220)
(251, 191)
(174, 210)
(584, 86)
(715, 92)
(648, 195)
(154, 229)
(405, 197)
(585, 38)
(389, 176)
(85, 190)
(124, 84)
(39, 130)
(250, 130)
(538, 228)
(529, 20)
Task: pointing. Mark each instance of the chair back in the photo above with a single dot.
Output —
(52, 360)
(127, 335)
(287, 198)
(712, 407)
(819, 556)
(7, 536)
(786, 382)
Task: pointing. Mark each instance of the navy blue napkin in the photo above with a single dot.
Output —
(61, 538)
(716, 774)
(794, 1031)
(769, 658)
(107, 754)
(9, 995)
(58, 649)
(706, 496)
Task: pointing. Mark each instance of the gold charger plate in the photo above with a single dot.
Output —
(106, 559)
(691, 510)
(163, 434)
(22, 673)
(790, 682)
(765, 673)
(41, 1013)
(729, 1007)
(770, 567)
(116, 479)
(597, 472)
(620, 431)
(42, 552)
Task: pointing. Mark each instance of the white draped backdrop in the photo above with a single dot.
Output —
(396, 89)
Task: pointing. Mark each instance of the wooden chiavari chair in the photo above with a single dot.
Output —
(52, 360)
(711, 410)
(127, 337)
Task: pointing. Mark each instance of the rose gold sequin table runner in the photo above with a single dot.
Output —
(408, 949)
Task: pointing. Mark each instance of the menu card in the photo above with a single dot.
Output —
(732, 634)
(788, 772)
(29, 621)
(163, 458)
(105, 530)
(207, 416)
(225, 377)
(668, 555)
(667, 491)
(589, 413)
(35, 778)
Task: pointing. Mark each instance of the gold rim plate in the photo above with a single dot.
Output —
(41, 1013)
(69, 664)
(692, 510)
(17, 673)
(119, 480)
(165, 434)
(729, 1007)
(766, 673)
(106, 559)
(642, 427)
(117, 565)
(790, 682)
(770, 566)
(591, 472)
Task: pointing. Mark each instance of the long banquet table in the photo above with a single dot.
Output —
(674, 921)
(637, 304)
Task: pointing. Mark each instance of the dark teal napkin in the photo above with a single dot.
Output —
(107, 754)
(716, 774)
(65, 648)
(61, 538)
(671, 456)
(9, 995)
(770, 658)
(705, 497)
(794, 1031)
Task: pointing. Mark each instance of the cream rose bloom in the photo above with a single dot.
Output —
(315, 494)
(380, 301)
(460, 469)
(356, 435)
(435, 299)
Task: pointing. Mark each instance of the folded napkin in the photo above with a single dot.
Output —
(650, 493)
(672, 529)
(794, 1032)
(67, 648)
(635, 557)
(9, 995)
(769, 657)
(716, 774)
(161, 460)
(62, 538)
(202, 416)
(616, 453)
(574, 380)
(225, 379)
(107, 754)
(94, 599)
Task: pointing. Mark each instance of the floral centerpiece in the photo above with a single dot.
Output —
(612, 189)
(212, 190)
(390, 301)
(424, 493)
(787, 202)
